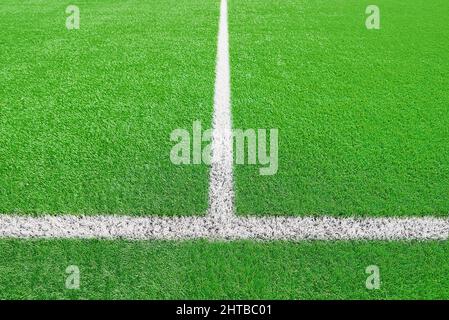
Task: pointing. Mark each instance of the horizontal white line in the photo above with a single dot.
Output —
(221, 223)
(233, 228)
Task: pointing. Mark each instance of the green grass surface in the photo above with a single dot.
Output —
(195, 270)
(363, 115)
(86, 115)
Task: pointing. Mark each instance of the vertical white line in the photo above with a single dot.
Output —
(221, 194)
(221, 224)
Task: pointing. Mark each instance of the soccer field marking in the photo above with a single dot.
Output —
(221, 223)
(234, 228)
(221, 192)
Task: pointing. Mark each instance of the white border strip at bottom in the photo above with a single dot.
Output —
(233, 228)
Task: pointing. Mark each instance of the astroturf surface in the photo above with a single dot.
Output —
(363, 115)
(240, 270)
(86, 115)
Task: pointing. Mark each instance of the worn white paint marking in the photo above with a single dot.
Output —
(221, 223)
(185, 228)
(221, 193)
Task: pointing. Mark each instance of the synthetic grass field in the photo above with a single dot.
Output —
(86, 115)
(239, 270)
(85, 123)
(363, 115)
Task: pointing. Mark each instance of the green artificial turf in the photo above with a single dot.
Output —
(363, 115)
(86, 115)
(239, 270)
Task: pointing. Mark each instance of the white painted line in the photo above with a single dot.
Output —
(221, 223)
(221, 192)
(186, 228)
